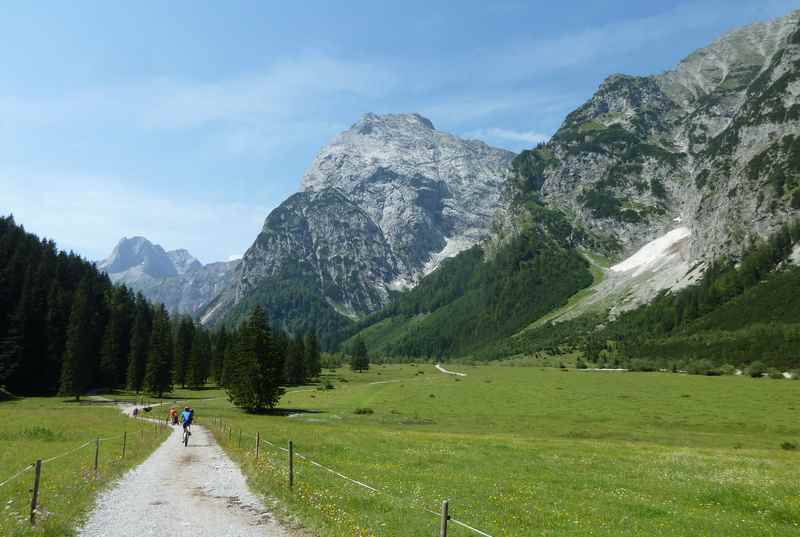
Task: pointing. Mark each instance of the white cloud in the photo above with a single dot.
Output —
(250, 112)
(234, 257)
(90, 214)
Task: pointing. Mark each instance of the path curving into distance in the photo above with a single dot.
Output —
(447, 372)
(194, 491)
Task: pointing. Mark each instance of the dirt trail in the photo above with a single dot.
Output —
(447, 372)
(194, 491)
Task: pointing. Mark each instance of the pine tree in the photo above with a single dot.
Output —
(218, 355)
(183, 349)
(76, 369)
(294, 366)
(158, 371)
(253, 368)
(312, 360)
(197, 370)
(108, 363)
(11, 348)
(139, 345)
(359, 359)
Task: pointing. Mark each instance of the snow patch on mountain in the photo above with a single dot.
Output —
(657, 253)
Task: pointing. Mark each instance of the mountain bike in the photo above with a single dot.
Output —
(186, 435)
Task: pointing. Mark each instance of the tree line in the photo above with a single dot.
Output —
(66, 329)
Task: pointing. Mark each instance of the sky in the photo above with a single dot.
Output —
(187, 122)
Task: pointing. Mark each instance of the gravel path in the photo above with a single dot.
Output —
(194, 491)
(447, 372)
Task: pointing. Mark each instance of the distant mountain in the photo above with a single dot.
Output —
(140, 256)
(380, 207)
(174, 278)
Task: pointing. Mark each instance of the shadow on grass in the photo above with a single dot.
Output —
(286, 411)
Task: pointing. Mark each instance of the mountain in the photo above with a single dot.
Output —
(379, 208)
(174, 278)
(138, 256)
(709, 147)
(666, 175)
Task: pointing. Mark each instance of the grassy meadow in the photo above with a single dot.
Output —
(531, 451)
(43, 428)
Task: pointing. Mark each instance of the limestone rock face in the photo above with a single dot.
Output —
(425, 189)
(174, 278)
(708, 145)
(325, 240)
(379, 207)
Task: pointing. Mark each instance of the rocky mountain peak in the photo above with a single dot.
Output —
(425, 189)
(380, 206)
(183, 261)
(731, 62)
(140, 254)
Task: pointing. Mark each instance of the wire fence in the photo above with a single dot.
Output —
(443, 515)
(97, 442)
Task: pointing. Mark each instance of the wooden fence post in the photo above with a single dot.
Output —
(230, 432)
(124, 442)
(96, 456)
(35, 496)
(240, 438)
(258, 443)
(291, 464)
(445, 518)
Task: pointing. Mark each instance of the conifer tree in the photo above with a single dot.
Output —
(158, 371)
(254, 369)
(218, 355)
(199, 357)
(359, 359)
(76, 369)
(183, 349)
(108, 363)
(139, 346)
(294, 365)
(313, 362)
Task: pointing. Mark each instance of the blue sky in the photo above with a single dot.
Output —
(187, 122)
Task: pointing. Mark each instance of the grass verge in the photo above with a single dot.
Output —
(44, 428)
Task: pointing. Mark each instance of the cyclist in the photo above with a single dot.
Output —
(186, 418)
(173, 416)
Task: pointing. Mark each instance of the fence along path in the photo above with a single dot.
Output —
(97, 442)
(258, 438)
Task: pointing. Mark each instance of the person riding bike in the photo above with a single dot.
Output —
(173, 416)
(186, 418)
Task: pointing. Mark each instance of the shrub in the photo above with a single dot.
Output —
(774, 373)
(789, 446)
(701, 367)
(757, 369)
(727, 369)
(363, 411)
(325, 385)
(795, 374)
(639, 364)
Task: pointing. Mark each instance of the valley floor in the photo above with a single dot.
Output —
(516, 451)
(529, 451)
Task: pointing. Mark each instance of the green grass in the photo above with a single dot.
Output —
(41, 428)
(531, 451)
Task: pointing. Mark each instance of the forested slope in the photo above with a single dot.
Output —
(474, 299)
(741, 311)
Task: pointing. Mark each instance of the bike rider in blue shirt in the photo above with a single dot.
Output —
(186, 418)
